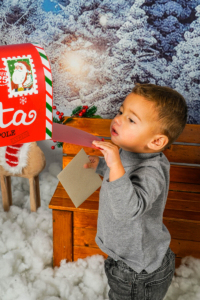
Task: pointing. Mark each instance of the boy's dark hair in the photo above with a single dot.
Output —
(171, 107)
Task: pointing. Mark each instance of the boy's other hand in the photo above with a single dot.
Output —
(94, 160)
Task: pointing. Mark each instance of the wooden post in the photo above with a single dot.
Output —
(8, 179)
(32, 194)
(62, 236)
(5, 193)
(37, 187)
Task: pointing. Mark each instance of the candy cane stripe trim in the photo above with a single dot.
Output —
(49, 107)
(37, 45)
(47, 74)
(45, 62)
(48, 133)
(49, 121)
(49, 89)
(48, 81)
(48, 111)
(48, 129)
(49, 101)
(49, 114)
(42, 53)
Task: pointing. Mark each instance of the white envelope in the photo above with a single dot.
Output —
(79, 182)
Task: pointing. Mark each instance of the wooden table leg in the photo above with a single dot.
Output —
(8, 179)
(5, 193)
(33, 201)
(62, 236)
(37, 187)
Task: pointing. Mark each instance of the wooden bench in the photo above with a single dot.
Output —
(74, 229)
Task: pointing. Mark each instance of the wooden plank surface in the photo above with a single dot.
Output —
(101, 127)
(177, 153)
(61, 193)
(173, 209)
(83, 252)
(183, 196)
(190, 134)
(184, 248)
(85, 237)
(183, 154)
(62, 236)
(72, 150)
(178, 173)
(85, 219)
(177, 263)
(67, 204)
(98, 127)
(181, 214)
(185, 205)
(187, 187)
(183, 229)
(185, 174)
(89, 220)
(182, 205)
(179, 228)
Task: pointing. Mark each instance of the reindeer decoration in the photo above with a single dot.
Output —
(21, 160)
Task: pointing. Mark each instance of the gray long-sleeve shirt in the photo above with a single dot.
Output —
(130, 218)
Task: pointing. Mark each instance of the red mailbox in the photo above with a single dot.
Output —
(26, 94)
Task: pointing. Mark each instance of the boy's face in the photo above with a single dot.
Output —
(135, 124)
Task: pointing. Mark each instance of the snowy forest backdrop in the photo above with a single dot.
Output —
(98, 49)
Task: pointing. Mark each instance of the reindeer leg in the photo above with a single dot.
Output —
(8, 179)
(5, 194)
(33, 201)
(37, 186)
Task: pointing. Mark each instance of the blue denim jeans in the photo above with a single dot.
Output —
(126, 284)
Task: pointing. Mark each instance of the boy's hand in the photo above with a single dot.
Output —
(112, 158)
(110, 152)
(94, 160)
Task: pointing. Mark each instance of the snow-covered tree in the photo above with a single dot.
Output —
(186, 69)
(169, 19)
(98, 49)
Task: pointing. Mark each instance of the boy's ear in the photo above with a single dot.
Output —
(158, 142)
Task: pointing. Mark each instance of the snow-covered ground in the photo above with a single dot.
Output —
(26, 271)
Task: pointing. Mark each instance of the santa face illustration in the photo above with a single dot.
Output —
(22, 78)
(19, 75)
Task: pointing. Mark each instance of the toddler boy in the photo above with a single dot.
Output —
(130, 229)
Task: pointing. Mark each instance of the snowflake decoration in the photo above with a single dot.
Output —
(23, 100)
